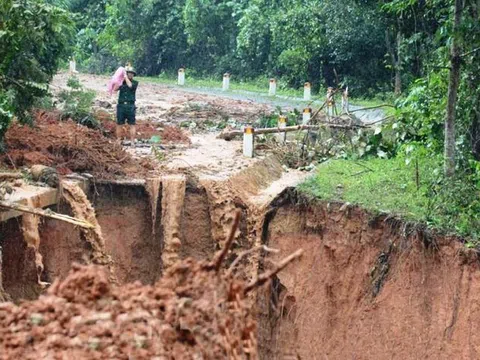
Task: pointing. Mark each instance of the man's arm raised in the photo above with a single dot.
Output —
(127, 80)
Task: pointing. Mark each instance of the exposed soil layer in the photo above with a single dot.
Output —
(83, 210)
(197, 240)
(125, 215)
(191, 313)
(367, 288)
(61, 246)
(173, 197)
(19, 273)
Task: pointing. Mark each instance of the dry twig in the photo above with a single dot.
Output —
(263, 278)
(248, 252)
(217, 262)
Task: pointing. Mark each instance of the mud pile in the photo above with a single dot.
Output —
(173, 134)
(193, 312)
(70, 148)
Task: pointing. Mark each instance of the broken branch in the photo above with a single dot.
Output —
(263, 278)
(373, 107)
(11, 175)
(46, 213)
(231, 134)
(247, 252)
(215, 265)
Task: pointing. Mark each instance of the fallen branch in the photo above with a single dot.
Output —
(263, 278)
(373, 107)
(231, 134)
(11, 175)
(382, 120)
(216, 263)
(248, 252)
(46, 213)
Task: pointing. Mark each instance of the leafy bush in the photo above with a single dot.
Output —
(76, 104)
(34, 39)
(5, 117)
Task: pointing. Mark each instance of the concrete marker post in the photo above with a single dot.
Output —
(307, 115)
(226, 82)
(345, 105)
(282, 124)
(307, 92)
(73, 66)
(248, 141)
(181, 76)
(272, 91)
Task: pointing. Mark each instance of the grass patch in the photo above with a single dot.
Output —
(390, 185)
(377, 184)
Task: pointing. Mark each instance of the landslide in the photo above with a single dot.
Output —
(68, 147)
(192, 312)
(368, 287)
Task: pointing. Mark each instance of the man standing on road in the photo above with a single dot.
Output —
(126, 104)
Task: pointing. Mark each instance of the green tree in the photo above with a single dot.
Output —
(34, 40)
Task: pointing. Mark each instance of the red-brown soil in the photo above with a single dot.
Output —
(367, 288)
(173, 134)
(70, 148)
(125, 216)
(191, 313)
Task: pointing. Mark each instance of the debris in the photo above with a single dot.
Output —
(174, 134)
(10, 175)
(45, 174)
(229, 135)
(67, 145)
(47, 213)
(197, 310)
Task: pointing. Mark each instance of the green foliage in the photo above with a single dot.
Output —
(76, 104)
(246, 37)
(391, 186)
(6, 115)
(34, 39)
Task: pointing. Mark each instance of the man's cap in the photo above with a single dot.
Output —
(130, 69)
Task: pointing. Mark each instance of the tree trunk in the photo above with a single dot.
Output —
(449, 157)
(473, 81)
(398, 66)
(394, 52)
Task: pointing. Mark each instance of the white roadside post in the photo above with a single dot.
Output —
(307, 91)
(345, 106)
(273, 87)
(307, 114)
(282, 124)
(73, 66)
(248, 141)
(181, 76)
(226, 82)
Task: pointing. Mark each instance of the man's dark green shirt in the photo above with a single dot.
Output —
(127, 94)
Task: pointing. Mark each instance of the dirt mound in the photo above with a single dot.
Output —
(173, 134)
(68, 147)
(191, 313)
